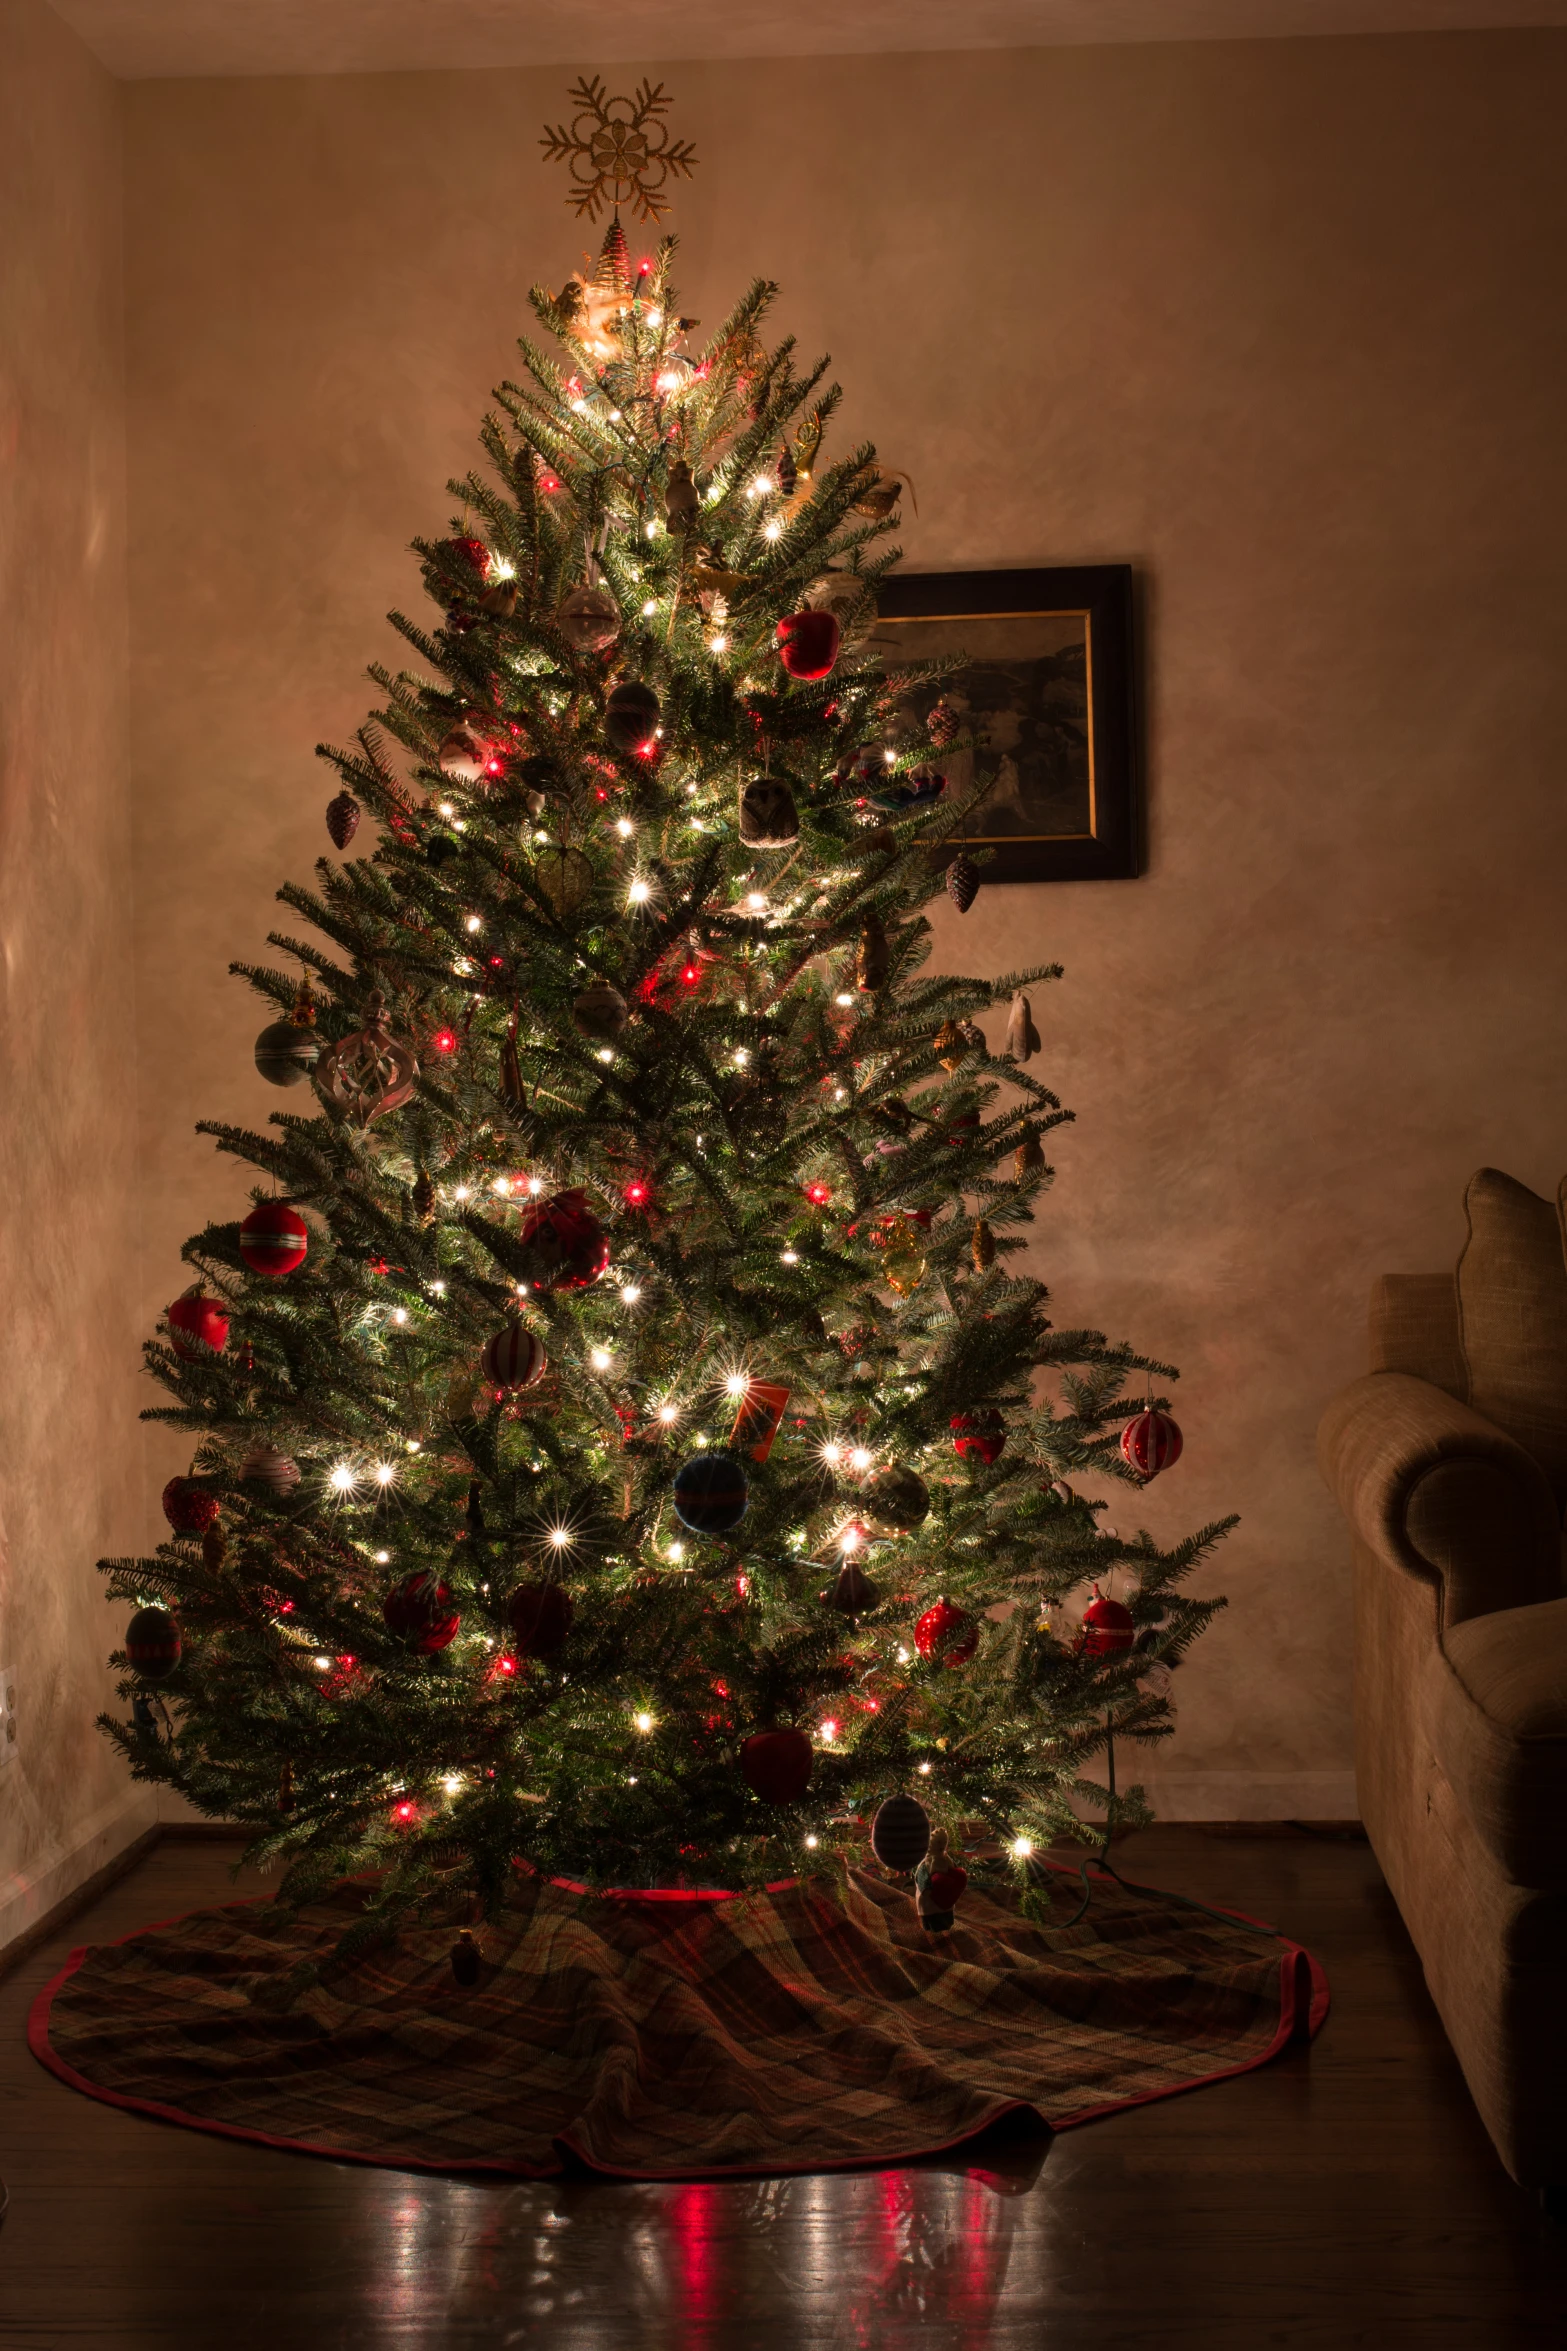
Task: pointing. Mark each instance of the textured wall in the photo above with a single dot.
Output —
(70, 1470)
(1281, 324)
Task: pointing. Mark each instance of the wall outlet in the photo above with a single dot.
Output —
(7, 1716)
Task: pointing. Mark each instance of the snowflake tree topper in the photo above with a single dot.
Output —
(619, 151)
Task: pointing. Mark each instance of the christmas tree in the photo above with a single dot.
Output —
(622, 1444)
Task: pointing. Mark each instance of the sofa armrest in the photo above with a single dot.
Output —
(1441, 1493)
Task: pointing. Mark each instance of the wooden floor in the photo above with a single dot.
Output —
(1344, 2196)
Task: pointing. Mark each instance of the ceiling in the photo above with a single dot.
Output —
(138, 39)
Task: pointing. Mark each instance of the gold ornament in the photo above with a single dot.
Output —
(984, 1246)
(1027, 1160)
(564, 877)
(424, 1197)
(500, 602)
(710, 581)
(618, 150)
(1022, 1037)
(369, 1072)
(951, 1047)
(903, 1263)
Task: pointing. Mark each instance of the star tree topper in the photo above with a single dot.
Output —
(619, 152)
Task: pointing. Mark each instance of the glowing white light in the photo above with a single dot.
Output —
(790, 1257)
(343, 1479)
(812, 1843)
(411, 1445)
(849, 1540)
(601, 1359)
(676, 1552)
(438, 1289)
(903, 1659)
(655, 317)
(649, 608)
(924, 1767)
(384, 1473)
(832, 1454)
(559, 1538)
(652, 530)
(624, 827)
(859, 1458)
(843, 1000)
(719, 644)
(1022, 1847)
(829, 1732)
(644, 1722)
(701, 1436)
(629, 1294)
(383, 1559)
(669, 381)
(503, 567)
(668, 1412)
(757, 902)
(501, 1184)
(474, 923)
(737, 1383)
(614, 416)
(772, 530)
(447, 809)
(458, 825)
(452, 1782)
(579, 408)
(640, 892)
(463, 1192)
(605, 1053)
(891, 757)
(399, 1314)
(322, 1664)
(535, 1183)
(840, 1094)
(762, 487)
(741, 1057)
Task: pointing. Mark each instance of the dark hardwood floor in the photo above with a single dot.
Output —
(1344, 2196)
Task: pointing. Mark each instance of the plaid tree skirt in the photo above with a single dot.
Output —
(674, 2035)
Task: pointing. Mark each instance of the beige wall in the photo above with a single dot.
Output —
(1280, 323)
(70, 1448)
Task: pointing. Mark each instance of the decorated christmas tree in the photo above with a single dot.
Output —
(624, 1443)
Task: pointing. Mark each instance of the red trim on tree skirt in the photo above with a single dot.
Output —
(868, 2039)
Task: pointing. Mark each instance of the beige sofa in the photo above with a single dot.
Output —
(1450, 1462)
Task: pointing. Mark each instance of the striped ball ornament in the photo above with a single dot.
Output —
(712, 1494)
(265, 1466)
(152, 1643)
(514, 1358)
(900, 1833)
(1150, 1443)
(273, 1239)
(1108, 1627)
(286, 1052)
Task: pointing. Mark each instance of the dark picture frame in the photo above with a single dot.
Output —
(1050, 696)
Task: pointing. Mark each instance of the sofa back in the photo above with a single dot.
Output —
(1493, 1334)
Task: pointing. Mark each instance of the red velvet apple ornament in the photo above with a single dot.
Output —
(808, 644)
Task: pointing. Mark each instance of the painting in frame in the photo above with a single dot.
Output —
(1047, 696)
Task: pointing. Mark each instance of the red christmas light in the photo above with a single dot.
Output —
(549, 482)
(689, 975)
(405, 1812)
(445, 1040)
(637, 1192)
(818, 1194)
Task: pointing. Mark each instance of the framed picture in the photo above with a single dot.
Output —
(1047, 694)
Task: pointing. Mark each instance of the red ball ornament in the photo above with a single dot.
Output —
(188, 1507)
(420, 1610)
(941, 1624)
(540, 1616)
(1107, 1627)
(1150, 1443)
(808, 643)
(777, 1764)
(514, 1358)
(978, 1436)
(564, 1245)
(273, 1239)
(198, 1326)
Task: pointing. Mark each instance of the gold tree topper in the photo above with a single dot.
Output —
(619, 152)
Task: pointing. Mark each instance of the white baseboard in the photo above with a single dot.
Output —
(27, 1897)
(1248, 1795)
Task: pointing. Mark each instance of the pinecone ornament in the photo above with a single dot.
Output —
(342, 819)
(962, 883)
(983, 1244)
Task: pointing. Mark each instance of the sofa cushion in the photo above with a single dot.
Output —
(1495, 1703)
(1512, 1306)
(1414, 1329)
